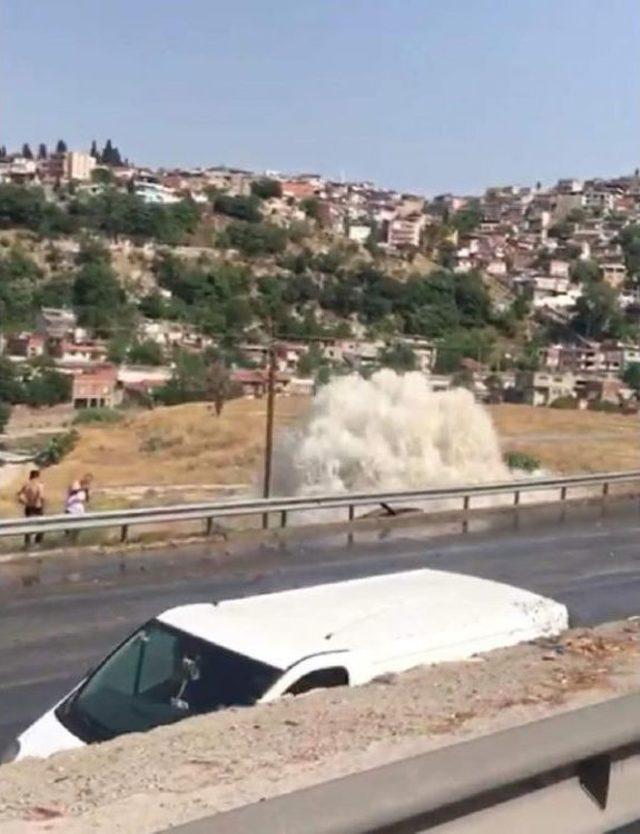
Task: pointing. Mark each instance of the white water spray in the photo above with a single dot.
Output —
(389, 432)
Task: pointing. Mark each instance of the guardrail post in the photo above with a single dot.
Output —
(124, 533)
(605, 489)
(350, 533)
(265, 521)
(516, 498)
(465, 507)
(209, 528)
(283, 518)
(563, 493)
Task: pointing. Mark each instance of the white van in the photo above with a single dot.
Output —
(199, 658)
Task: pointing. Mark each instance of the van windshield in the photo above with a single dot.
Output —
(158, 676)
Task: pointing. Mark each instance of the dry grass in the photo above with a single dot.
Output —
(570, 441)
(173, 452)
(185, 452)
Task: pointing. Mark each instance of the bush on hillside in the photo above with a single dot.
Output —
(521, 460)
(566, 403)
(97, 415)
(605, 407)
(57, 448)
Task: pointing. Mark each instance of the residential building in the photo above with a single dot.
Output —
(21, 171)
(614, 273)
(360, 234)
(79, 166)
(254, 383)
(405, 232)
(144, 375)
(300, 189)
(543, 387)
(96, 388)
(25, 345)
(155, 194)
(70, 353)
(56, 323)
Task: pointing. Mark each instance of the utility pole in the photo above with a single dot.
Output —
(268, 446)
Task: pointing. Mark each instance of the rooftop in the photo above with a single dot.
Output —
(282, 628)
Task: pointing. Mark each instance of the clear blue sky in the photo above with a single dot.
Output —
(429, 95)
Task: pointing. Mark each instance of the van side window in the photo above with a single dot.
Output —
(320, 679)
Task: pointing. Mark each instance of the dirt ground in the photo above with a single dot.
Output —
(568, 442)
(141, 784)
(176, 454)
(184, 453)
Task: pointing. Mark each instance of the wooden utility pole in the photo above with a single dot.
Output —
(268, 446)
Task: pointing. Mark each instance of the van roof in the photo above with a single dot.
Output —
(364, 614)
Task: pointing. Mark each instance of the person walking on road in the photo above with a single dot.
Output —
(31, 496)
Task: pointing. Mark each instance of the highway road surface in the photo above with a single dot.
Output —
(51, 633)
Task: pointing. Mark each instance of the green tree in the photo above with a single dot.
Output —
(110, 155)
(631, 376)
(5, 415)
(311, 361)
(240, 208)
(56, 292)
(152, 306)
(467, 219)
(42, 151)
(19, 279)
(266, 188)
(311, 207)
(102, 176)
(629, 239)
(98, 298)
(117, 349)
(256, 239)
(27, 153)
(585, 271)
(400, 357)
(188, 381)
(598, 313)
(11, 390)
(219, 386)
(447, 254)
(464, 344)
(146, 352)
(45, 386)
(61, 146)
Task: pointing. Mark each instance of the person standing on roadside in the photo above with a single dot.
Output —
(31, 496)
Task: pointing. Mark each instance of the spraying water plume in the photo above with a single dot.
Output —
(388, 432)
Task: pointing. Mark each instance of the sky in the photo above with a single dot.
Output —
(428, 96)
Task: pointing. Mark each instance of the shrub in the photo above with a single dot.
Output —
(564, 403)
(604, 406)
(521, 460)
(5, 414)
(97, 415)
(57, 448)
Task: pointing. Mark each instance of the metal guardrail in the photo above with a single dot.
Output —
(212, 512)
(574, 772)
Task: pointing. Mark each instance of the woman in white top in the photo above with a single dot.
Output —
(76, 501)
(75, 504)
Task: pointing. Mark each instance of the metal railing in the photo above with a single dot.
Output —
(211, 513)
(574, 772)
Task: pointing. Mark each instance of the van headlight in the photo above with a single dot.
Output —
(10, 752)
